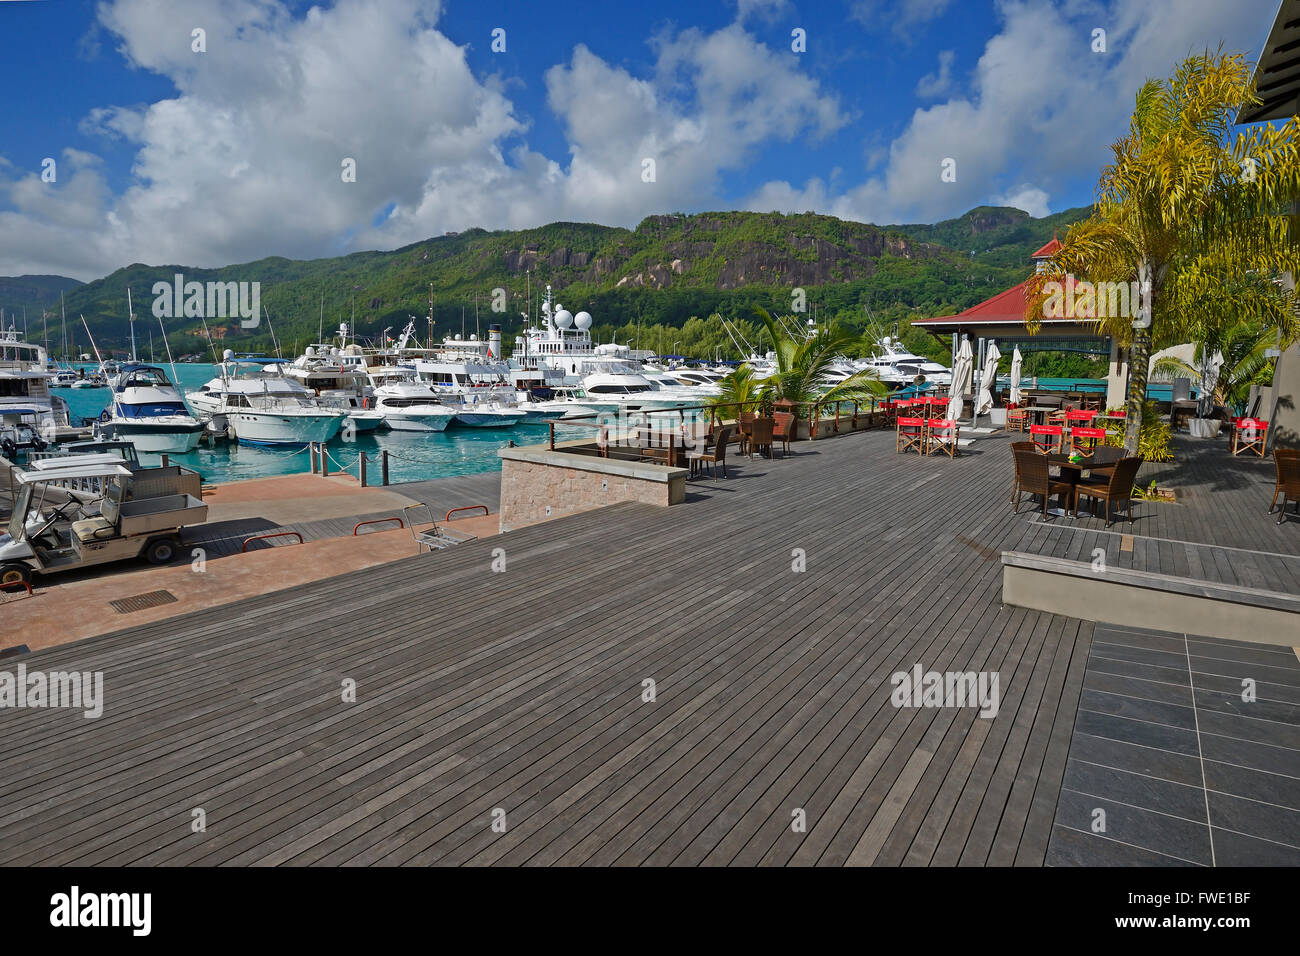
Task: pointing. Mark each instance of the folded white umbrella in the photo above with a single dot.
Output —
(1014, 397)
(991, 358)
(962, 370)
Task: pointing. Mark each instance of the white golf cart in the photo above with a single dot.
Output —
(78, 511)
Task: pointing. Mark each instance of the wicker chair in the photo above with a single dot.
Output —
(1015, 447)
(760, 435)
(1017, 419)
(718, 456)
(783, 431)
(1287, 461)
(745, 421)
(1033, 478)
(1117, 487)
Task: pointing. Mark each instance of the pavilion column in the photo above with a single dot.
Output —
(1117, 376)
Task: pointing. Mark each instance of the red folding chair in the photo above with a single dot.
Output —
(943, 436)
(1078, 416)
(1248, 434)
(1084, 441)
(909, 434)
(1041, 433)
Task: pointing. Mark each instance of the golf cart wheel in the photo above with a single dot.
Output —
(161, 550)
(14, 576)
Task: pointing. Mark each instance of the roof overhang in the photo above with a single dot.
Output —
(1277, 72)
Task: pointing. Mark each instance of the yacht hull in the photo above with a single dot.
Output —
(274, 428)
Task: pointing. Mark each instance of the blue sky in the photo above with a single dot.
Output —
(165, 154)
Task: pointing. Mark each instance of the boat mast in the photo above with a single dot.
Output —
(131, 316)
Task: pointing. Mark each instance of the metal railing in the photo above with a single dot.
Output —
(263, 537)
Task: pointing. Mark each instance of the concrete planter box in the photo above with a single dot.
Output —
(1204, 427)
(998, 417)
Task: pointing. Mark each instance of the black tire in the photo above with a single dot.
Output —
(14, 575)
(161, 550)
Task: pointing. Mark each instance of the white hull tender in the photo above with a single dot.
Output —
(413, 421)
(157, 438)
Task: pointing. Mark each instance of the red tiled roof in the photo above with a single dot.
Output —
(1006, 306)
(1047, 250)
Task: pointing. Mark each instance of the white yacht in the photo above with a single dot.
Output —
(898, 367)
(338, 381)
(148, 410)
(473, 383)
(260, 406)
(409, 406)
(29, 414)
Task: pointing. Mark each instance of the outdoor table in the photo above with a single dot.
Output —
(1039, 412)
(1071, 472)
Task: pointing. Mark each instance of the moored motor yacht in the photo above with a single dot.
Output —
(408, 406)
(148, 410)
(260, 406)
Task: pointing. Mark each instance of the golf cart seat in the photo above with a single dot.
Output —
(92, 529)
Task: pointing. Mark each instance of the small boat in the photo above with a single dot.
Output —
(262, 407)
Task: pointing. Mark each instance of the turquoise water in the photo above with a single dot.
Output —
(412, 456)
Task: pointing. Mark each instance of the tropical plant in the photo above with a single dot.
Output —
(740, 390)
(1190, 214)
(1155, 436)
(802, 366)
(1227, 362)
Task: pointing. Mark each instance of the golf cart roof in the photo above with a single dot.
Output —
(111, 468)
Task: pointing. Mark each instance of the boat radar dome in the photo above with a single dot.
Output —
(310, 352)
(228, 355)
(582, 321)
(563, 318)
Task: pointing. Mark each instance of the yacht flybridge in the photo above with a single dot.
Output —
(260, 406)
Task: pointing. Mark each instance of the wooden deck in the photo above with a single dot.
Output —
(522, 692)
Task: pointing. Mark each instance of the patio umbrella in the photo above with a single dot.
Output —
(962, 370)
(1014, 397)
(987, 380)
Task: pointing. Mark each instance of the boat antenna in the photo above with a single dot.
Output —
(430, 315)
(63, 325)
(320, 325)
(478, 331)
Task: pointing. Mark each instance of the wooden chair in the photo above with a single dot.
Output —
(1118, 486)
(1086, 441)
(1033, 478)
(943, 434)
(909, 435)
(1248, 434)
(760, 435)
(1092, 403)
(718, 456)
(1040, 434)
(1017, 419)
(1287, 462)
(784, 430)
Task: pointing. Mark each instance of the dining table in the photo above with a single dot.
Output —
(1071, 473)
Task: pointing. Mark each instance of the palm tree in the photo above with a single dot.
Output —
(1190, 214)
(740, 390)
(1235, 358)
(802, 366)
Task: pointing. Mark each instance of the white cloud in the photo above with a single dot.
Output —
(936, 84)
(1029, 198)
(1043, 108)
(245, 160)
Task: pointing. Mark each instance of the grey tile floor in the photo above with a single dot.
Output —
(1171, 764)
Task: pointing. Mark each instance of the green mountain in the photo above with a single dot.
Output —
(33, 294)
(653, 279)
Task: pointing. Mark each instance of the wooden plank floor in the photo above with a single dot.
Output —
(516, 697)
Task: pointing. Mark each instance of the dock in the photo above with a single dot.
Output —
(703, 684)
